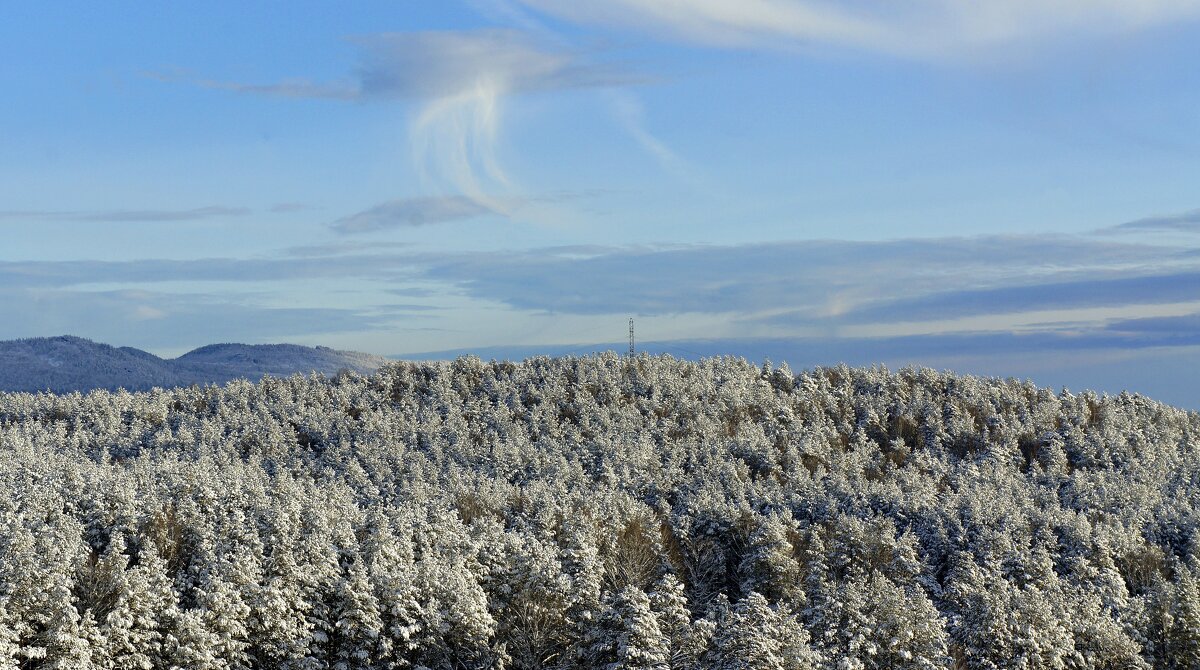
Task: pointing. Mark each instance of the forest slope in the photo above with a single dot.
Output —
(66, 363)
(600, 512)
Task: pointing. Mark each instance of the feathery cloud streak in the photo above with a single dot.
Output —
(465, 78)
(460, 79)
(919, 28)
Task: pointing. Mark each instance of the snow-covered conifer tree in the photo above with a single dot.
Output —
(686, 639)
(359, 624)
(752, 635)
(626, 634)
(140, 608)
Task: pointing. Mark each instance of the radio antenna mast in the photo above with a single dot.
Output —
(631, 349)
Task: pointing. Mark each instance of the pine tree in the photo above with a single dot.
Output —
(392, 575)
(225, 614)
(359, 623)
(754, 636)
(27, 581)
(66, 638)
(686, 640)
(998, 624)
(1184, 640)
(137, 625)
(279, 628)
(768, 566)
(456, 628)
(626, 634)
(192, 646)
(10, 647)
(903, 628)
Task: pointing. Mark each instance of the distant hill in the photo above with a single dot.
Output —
(67, 363)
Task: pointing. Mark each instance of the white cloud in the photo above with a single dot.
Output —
(465, 78)
(631, 115)
(439, 65)
(915, 27)
(453, 143)
(461, 80)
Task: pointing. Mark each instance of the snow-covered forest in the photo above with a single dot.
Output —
(599, 512)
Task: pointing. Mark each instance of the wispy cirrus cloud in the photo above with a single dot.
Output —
(630, 114)
(465, 80)
(920, 28)
(127, 215)
(461, 81)
(431, 65)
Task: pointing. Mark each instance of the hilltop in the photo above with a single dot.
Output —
(576, 513)
(67, 363)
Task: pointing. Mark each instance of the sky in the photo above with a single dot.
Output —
(1005, 188)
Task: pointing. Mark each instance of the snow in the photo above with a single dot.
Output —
(596, 512)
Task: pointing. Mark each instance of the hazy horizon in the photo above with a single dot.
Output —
(1004, 190)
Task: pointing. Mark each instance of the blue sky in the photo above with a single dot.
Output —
(1004, 190)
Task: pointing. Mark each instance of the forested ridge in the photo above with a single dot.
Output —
(64, 364)
(599, 512)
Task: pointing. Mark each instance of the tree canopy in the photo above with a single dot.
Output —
(603, 511)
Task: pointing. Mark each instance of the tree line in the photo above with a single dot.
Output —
(601, 511)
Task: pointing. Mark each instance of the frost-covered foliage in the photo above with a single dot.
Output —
(599, 512)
